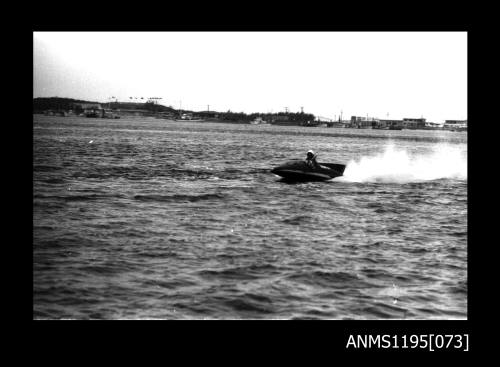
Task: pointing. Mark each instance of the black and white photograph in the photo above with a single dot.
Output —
(250, 175)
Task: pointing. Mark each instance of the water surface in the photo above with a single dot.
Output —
(146, 218)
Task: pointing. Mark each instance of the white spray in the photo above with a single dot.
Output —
(396, 165)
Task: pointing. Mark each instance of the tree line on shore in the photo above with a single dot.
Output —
(56, 103)
(42, 104)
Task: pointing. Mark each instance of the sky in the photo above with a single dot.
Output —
(380, 74)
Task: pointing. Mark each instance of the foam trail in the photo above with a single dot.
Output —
(396, 165)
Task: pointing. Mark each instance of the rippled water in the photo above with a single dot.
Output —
(145, 218)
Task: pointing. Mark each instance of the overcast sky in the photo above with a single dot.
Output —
(382, 74)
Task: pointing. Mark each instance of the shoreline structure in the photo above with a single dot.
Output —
(55, 106)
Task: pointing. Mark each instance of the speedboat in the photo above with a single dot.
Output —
(298, 170)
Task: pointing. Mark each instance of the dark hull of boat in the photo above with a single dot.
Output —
(299, 171)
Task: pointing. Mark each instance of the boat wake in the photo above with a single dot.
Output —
(397, 165)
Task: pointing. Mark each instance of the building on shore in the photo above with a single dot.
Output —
(359, 122)
(414, 123)
(278, 119)
(451, 122)
(88, 109)
(101, 113)
(362, 122)
(391, 124)
(290, 119)
(433, 126)
(84, 109)
(455, 125)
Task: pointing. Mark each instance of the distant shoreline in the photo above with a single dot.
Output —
(150, 108)
(240, 122)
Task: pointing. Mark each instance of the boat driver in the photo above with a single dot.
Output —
(311, 160)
